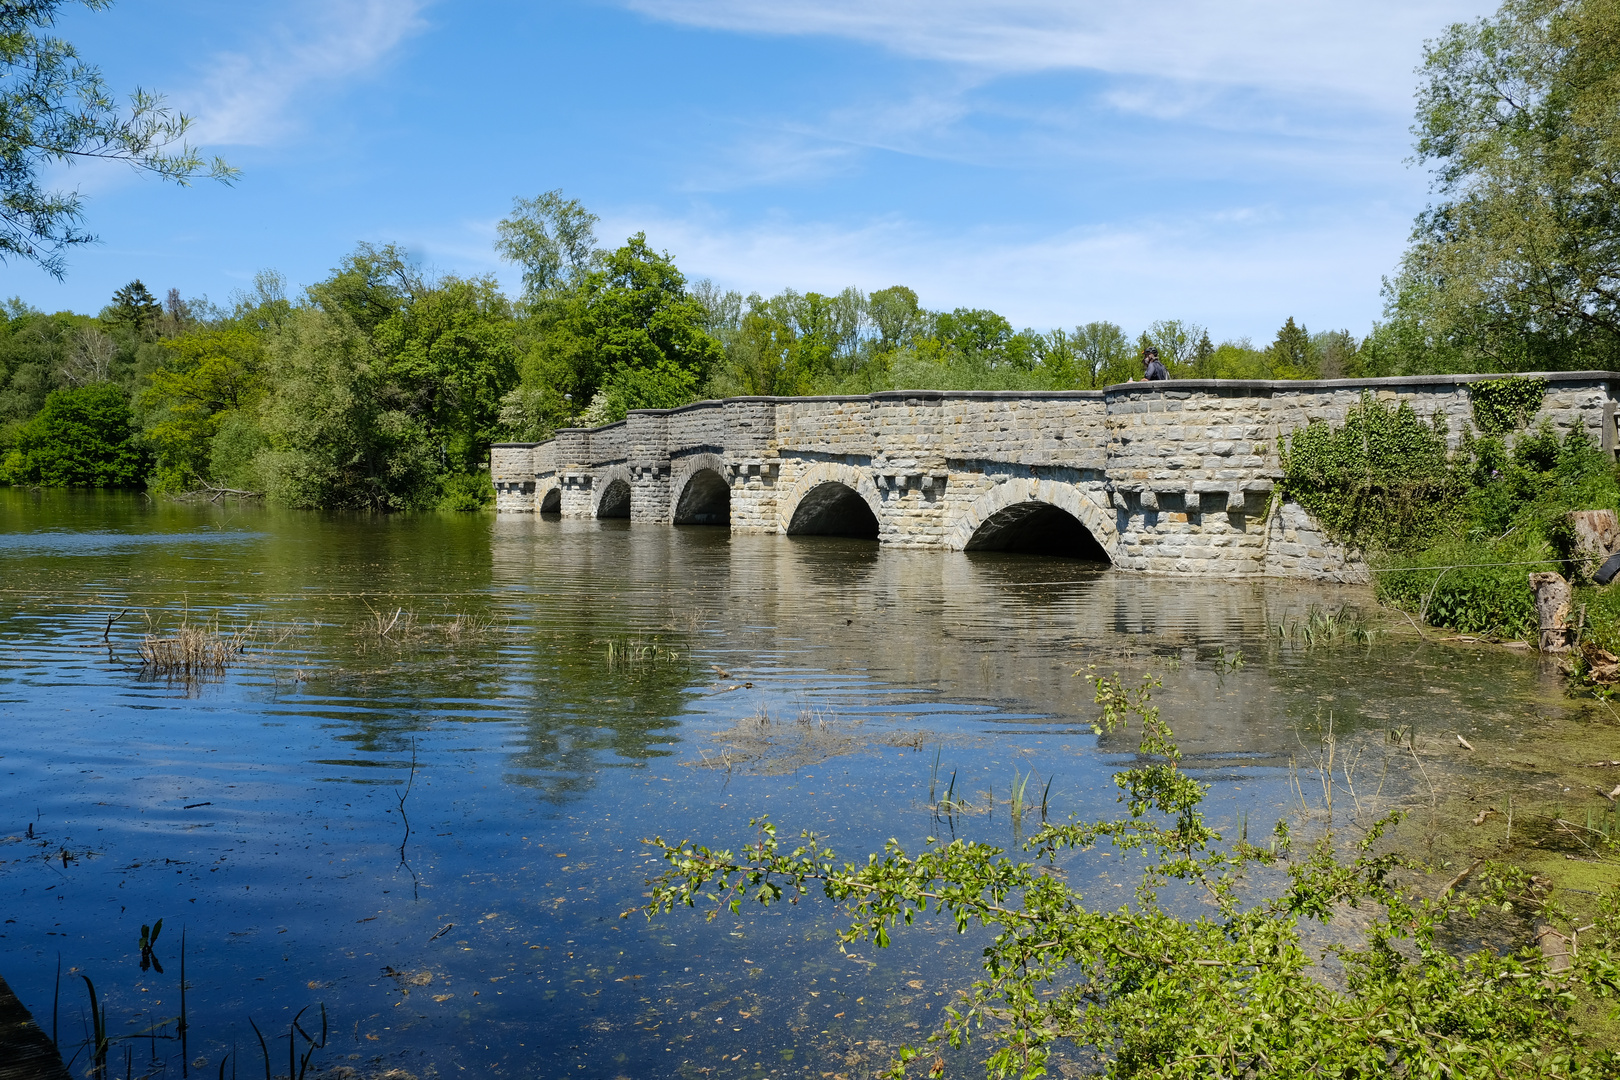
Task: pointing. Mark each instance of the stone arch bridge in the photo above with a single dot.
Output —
(1168, 477)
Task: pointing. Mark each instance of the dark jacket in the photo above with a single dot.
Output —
(1156, 371)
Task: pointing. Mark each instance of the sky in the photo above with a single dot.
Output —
(1059, 161)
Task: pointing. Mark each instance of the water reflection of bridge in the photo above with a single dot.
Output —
(1166, 477)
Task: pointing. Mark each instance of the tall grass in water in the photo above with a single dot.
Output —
(302, 1044)
(633, 653)
(1322, 627)
(1016, 802)
(193, 651)
(403, 626)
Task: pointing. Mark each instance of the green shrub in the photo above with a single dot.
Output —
(1483, 517)
(467, 491)
(85, 436)
(1491, 599)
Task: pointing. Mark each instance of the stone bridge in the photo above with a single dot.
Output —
(1169, 477)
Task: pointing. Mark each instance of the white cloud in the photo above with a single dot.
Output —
(1365, 50)
(1239, 271)
(247, 98)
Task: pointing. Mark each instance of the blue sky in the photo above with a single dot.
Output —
(1056, 160)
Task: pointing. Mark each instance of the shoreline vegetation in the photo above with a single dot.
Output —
(1386, 941)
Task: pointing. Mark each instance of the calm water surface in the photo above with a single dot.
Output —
(436, 837)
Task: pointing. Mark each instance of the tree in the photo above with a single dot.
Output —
(85, 436)
(1517, 266)
(133, 308)
(629, 323)
(896, 314)
(209, 376)
(369, 287)
(1291, 355)
(1104, 352)
(333, 440)
(55, 109)
(974, 333)
(553, 238)
(447, 359)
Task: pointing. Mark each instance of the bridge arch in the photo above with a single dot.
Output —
(702, 494)
(1036, 515)
(610, 493)
(832, 499)
(548, 500)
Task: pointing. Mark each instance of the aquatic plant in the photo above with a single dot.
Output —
(633, 653)
(1319, 627)
(1015, 800)
(192, 652)
(1225, 989)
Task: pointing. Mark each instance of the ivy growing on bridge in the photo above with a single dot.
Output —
(1506, 405)
(1384, 480)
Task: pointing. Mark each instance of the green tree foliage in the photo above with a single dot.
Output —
(897, 317)
(38, 353)
(552, 238)
(55, 109)
(133, 309)
(626, 335)
(1517, 267)
(1104, 352)
(1291, 355)
(334, 441)
(447, 358)
(212, 376)
(1206, 973)
(83, 437)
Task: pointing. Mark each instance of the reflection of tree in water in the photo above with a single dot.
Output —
(589, 714)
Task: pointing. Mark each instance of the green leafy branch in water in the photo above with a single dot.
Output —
(1143, 991)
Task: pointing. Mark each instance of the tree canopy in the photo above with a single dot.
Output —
(1517, 265)
(55, 109)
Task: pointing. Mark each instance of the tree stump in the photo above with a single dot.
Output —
(1597, 536)
(1552, 612)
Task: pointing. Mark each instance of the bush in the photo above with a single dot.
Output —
(467, 491)
(1483, 517)
(84, 437)
(1475, 599)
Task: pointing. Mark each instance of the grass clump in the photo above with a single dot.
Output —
(1453, 534)
(192, 652)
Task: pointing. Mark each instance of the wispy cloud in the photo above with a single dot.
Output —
(1366, 49)
(248, 98)
(1240, 270)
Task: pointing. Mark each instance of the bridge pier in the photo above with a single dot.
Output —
(1173, 477)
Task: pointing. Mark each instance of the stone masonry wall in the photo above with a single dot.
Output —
(1171, 477)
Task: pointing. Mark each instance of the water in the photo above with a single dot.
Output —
(436, 839)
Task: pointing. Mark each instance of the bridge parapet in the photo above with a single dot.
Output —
(1169, 477)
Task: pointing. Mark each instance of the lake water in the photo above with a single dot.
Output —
(434, 833)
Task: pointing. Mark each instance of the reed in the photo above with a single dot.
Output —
(396, 626)
(1015, 799)
(1321, 627)
(99, 1041)
(192, 652)
(633, 654)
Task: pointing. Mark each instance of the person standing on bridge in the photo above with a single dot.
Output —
(1154, 371)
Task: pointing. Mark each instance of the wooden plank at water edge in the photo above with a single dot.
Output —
(26, 1052)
